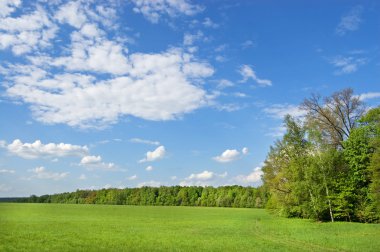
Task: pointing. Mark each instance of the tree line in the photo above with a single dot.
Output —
(327, 165)
(224, 196)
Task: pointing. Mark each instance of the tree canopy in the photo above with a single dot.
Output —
(327, 166)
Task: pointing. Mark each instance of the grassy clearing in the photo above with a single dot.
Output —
(60, 227)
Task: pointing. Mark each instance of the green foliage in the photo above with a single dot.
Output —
(69, 227)
(327, 168)
(224, 196)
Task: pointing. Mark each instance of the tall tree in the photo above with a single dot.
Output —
(335, 116)
(285, 170)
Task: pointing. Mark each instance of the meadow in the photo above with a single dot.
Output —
(69, 227)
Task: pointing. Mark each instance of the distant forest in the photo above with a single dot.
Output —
(224, 196)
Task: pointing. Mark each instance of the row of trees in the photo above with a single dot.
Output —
(224, 196)
(327, 165)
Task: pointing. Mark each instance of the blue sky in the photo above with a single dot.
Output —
(99, 94)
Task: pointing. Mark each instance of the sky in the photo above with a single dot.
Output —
(115, 94)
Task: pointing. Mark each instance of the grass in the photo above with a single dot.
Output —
(60, 227)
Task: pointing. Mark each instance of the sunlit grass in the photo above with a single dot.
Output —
(60, 227)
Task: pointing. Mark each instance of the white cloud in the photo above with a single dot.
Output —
(251, 178)
(72, 14)
(248, 73)
(94, 81)
(205, 175)
(153, 10)
(245, 151)
(227, 156)
(151, 183)
(94, 162)
(202, 179)
(39, 150)
(173, 177)
(368, 96)
(190, 39)
(207, 22)
(91, 160)
(347, 65)
(7, 171)
(149, 168)
(42, 173)
(158, 88)
(144, 141)
(157, 154)
(96, 54)
(350, 21)
(8, 6)
(133, 177)
(27, 32)
(279, 111)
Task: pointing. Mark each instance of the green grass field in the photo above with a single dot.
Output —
(60, 227)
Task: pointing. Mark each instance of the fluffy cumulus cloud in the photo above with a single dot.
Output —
(157, 154)
(153, 10)
(90, 160)
(95, 80)
(202, 179)
(93, 162)
(248, 73)
(350, 21)
(252, 178)
(26, 32)
(42, 173)
(205, 175)
(157, 89)
(8, 6)
(71, 13)
(230, 155)
(38, 149)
